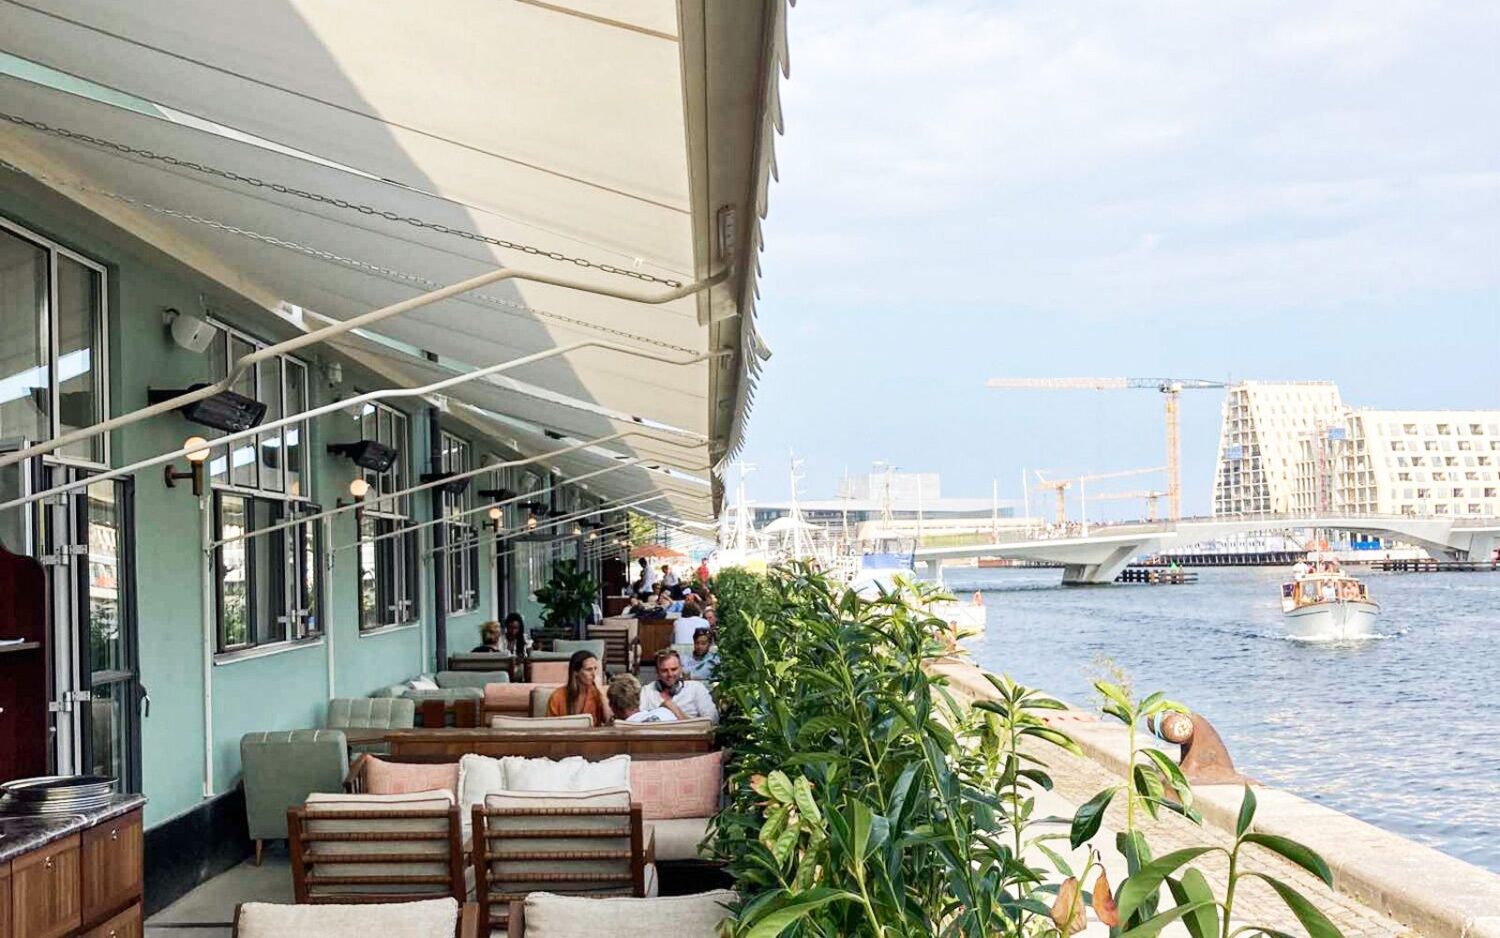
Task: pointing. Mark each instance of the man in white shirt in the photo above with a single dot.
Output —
(688, 623)
(625, 702)
(648, 577)
(690, 697)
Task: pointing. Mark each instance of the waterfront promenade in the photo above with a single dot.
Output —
(1385, 885)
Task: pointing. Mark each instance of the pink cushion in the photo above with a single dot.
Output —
(515, 696)
(395, 778)
(548, 672)
(677, 788)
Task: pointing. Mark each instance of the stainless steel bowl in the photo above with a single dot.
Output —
(56, 794)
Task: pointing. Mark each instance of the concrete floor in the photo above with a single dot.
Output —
(208, 911)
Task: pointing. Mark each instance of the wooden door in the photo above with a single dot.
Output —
(23, 667)
(45, 892)
(112, 866)
(128, 924)
(5, 931)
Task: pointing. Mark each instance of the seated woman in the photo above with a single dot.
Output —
(625, 700)
(581, 694)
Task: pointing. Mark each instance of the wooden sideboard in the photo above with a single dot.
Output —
(86, 883)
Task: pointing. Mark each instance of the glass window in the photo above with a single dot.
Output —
(271, 584)
(80, 302)
(32, 322)
(25, 400)
(389, 574)
(294, 373)
(462, 566)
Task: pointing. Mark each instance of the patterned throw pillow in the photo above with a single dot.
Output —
(395, 778)
(677, 788)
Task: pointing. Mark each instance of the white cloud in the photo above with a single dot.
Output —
(1120, 158)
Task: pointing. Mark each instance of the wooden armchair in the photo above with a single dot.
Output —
(356, 849)
(581, 843)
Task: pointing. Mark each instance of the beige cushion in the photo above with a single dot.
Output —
(477, 776)
(424, 919)
(690, 727)
(678, 838)
(574, 721)
(553, 916)
(575, 773)
(514, 876)
(322, 808)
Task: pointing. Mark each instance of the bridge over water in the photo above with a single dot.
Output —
(1097, 554)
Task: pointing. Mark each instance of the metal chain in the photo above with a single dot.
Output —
(318, 253)
(370, 210)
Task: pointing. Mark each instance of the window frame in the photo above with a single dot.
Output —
(296, 624)
(395, 570)
(462, 567)
(48, 325)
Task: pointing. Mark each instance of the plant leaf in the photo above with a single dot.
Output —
(1193, 888)
(1247, 813)
(1089, 817)
(1067, 910)
(1172, 772)
(1302, 855)
(1316, 923)
(1147, 883)
(774, 923)
(806, 803)
(780, 787)
(1105, 908)
(1153, 925)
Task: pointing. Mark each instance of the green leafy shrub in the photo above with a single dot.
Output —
(865, 800)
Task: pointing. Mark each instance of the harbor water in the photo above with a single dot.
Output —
(1402, 731)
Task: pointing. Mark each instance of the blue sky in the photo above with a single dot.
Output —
(1269, 190)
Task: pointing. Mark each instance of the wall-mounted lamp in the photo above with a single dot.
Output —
(358, 489)
(531, 522)
(577, 531)
(366, 454)
(224, 411)
(495, 513)
(197, 448)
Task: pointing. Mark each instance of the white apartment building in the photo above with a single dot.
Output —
(1261, 434)
(1414, 462)
(1297, 448)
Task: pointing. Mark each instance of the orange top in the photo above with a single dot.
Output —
(593, 704)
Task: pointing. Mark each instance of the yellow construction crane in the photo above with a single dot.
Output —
(1061, 486)
(1171, 388)
(1150, 498)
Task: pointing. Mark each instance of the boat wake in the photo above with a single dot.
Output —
(1341, 640)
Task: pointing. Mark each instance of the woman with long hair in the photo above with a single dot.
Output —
(582, 693)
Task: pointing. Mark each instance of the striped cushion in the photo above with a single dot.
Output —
(321, 805)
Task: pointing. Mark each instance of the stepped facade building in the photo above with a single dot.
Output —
(1296, 448)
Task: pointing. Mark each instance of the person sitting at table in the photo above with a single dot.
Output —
(581, 694)
(692, 697)
(490, 635)
(624, 696)
(688, 624)
(704, 661)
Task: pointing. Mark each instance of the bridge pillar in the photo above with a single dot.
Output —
(1090, 574)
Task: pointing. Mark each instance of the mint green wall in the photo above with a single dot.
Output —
(278, 691)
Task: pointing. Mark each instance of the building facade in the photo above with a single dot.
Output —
(1296, 448)
(1260, 442)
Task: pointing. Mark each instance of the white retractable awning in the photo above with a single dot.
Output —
(332, 157)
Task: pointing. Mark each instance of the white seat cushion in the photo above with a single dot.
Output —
(424, 919)
(574, 773)
(678, 838)
(553, 916)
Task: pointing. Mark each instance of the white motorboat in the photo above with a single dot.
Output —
(884, 558)
(1328, 607)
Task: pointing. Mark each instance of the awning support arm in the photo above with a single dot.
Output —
(347, 325)
(386, 394)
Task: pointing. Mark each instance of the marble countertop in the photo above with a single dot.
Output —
(21, 833)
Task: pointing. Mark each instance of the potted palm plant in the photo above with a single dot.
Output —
(567, 599)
